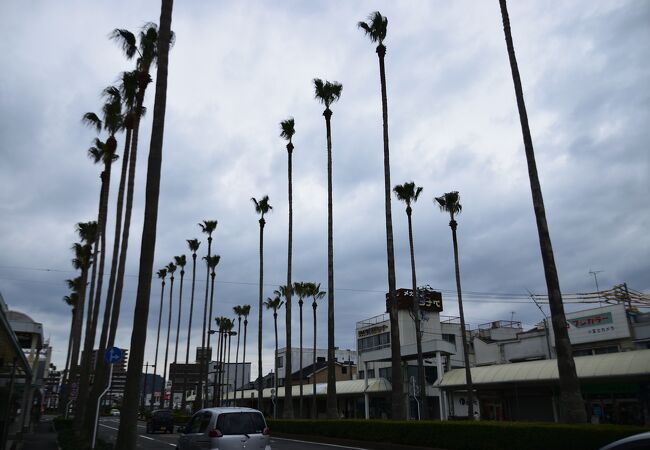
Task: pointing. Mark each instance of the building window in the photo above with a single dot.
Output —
(362, 374)
(603, 350)
(344, 369)
(280, 361)
(374, 342)
(451, 338)
(386, 372)
(371, 373)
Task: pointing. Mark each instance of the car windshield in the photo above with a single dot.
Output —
(241, 423)
(162, 413)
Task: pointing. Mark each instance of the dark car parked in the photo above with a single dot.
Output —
(160, 420)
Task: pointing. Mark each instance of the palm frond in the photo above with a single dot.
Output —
(376, 27)
(162, 273)
(450, 202)
(126, 40)
(171, 268)
(92, 120)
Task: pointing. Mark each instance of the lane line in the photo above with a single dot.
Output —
(139, 435)
(319, 443)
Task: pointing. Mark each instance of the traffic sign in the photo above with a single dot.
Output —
(112, 355)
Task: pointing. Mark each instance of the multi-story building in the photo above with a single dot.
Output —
(52, 386)
(515, 371)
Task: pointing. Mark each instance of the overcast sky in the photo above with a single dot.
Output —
(238, 68)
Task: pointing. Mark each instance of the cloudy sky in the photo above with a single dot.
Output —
(240, 67)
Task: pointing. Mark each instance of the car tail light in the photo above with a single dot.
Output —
(216, 433)
(266, 431)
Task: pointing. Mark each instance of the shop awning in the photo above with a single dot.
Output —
(612, 365)
(347, 387)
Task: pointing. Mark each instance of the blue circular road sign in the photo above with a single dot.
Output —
(112, 355)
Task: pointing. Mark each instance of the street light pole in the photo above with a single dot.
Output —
(595, 274)
(144, 388)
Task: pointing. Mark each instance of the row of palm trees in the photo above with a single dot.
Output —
(327, 93)
(121, 111)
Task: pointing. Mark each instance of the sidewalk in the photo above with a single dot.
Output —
(43, 437)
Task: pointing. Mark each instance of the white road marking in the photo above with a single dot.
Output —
(145, 437)
(319, 443)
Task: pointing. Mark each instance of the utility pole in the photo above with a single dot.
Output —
(548, 343)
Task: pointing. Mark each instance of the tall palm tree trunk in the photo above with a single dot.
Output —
(397, 395)
(300, 411)
(216, 386)
(99, 375)
(314, 410)
(178, 332)
(155, 362)
(200, 402)
(332, 409)
(275, 365)
(287, 411)
(572, 406)
(209, 335)
(243, 370)
(126, 437)
(76, 342)
(169, 325)
(228, 366)
(65, 389)
(189, 336)
(463, 329)
(237, 361)
(418, 323)
(260, 386)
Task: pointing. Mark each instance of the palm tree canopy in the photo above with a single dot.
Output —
(313, 290)
(273, 303)
(71, 299)
(299, 287)
(238, 310)
(193, 244)
(162, 273)
(74, 284)
(171, 268)
(208, 226)
(212, 261)
(129, 89)
(327, 92)
(126, 40)
(450, 202)
(80, 261)
(100, 152)
(376, 27)
(407, 192)
(246, 310)
(262, 206)
(181, 261)
(282, 291)
(287, 129)
(88, 231)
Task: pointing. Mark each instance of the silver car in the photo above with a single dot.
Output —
(225, 429)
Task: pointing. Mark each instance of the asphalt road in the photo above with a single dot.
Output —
(108, 431)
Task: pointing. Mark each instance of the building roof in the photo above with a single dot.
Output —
(624, 364)
(342, 388)
(10, 347)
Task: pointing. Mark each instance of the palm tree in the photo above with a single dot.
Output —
(409, 193)
(101, 152)
(261, 207)
(216, 385)
(171, 268)
(285, 292)
(162, 273)
(376, 30)
(246, 310)
(288, 129)
(193, 245)
(572, 409)
(300, 290)
(88, 232)
(313, 290)
(229, 326)
(450, 203)
(147, 55)
(127, 434)
(328, 93)
(180, 261)
(239, 311)
(212, 262)
(275, 304)
(207, 227)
